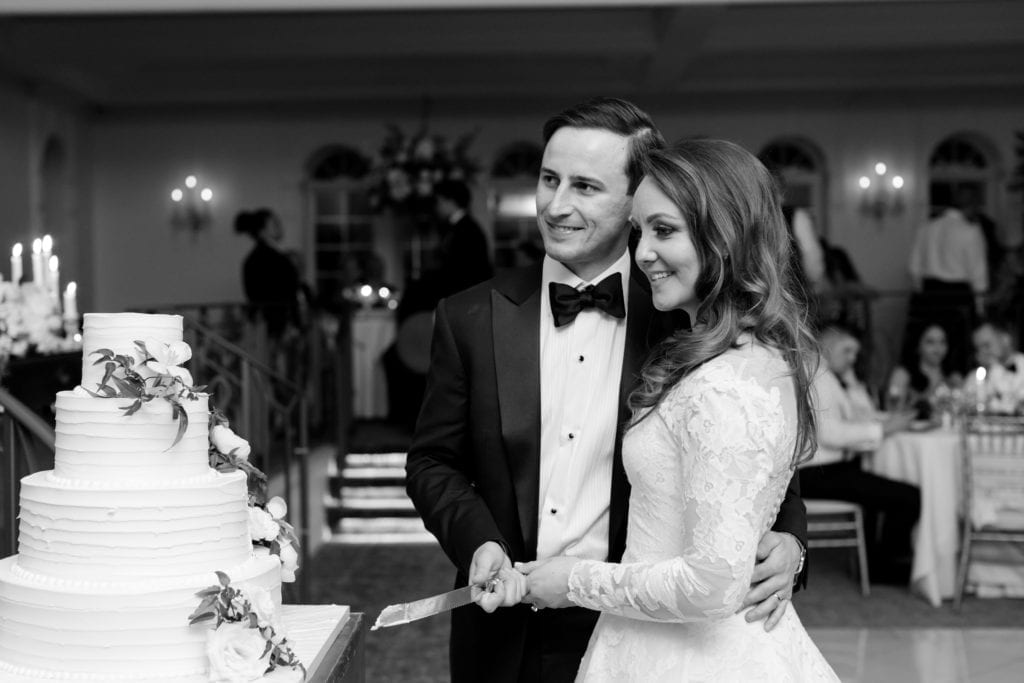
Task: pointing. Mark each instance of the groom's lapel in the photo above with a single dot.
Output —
(515, 305)
(638, 325)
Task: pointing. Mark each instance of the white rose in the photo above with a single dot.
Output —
(262, 604)
(277, 507)
(236, 653)
(262, 526)
(289, 562)
(225, 441)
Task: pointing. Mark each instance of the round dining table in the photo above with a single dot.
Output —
(928, 457)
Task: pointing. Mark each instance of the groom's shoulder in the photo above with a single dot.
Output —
(516, 284)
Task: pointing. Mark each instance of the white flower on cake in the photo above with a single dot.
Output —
(229, 443)
(246, 639)
(262, 604)
(262, 527)
(164, 359)
(237, 653)
(277, 507)
(289, 562)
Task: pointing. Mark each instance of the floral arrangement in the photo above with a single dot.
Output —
(229, 452)
(30, 321)
(410, 167)
(152, 372)
(247, 639)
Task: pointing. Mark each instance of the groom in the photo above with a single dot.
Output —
(517, 451)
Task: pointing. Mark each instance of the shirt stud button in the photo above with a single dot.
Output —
(571, 435)
(554, 511)
(581, 359)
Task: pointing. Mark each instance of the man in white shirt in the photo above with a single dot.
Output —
(949, 269)
(848, 424)
(517, 451)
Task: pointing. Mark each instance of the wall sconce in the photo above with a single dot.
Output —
(882, 194)
(191, 205)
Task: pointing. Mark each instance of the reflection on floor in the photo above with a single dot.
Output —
(933, 655)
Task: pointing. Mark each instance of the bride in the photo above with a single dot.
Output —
(720, 421)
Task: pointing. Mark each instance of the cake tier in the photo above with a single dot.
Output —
(119, 332)
(96, 441)
(106, 631)
(72, 529)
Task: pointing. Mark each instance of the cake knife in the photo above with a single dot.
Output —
(403, 613)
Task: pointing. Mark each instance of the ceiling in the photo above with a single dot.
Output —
(729, 51)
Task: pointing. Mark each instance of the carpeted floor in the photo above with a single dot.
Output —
(369, 577)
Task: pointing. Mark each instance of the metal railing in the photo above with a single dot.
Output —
(26, 445)
(264, 406)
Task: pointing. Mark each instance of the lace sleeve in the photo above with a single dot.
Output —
(729, 433)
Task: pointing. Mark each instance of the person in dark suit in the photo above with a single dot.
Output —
(463, 256)
(269, 277)
(516, 453)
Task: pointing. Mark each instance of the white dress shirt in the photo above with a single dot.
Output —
(581, 368)
(846, 419)
(951, 249)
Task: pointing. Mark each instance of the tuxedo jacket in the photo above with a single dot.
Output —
(473, 468)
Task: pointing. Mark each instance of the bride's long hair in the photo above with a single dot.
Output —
(747, 281)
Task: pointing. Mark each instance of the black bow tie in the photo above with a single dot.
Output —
(567, 302)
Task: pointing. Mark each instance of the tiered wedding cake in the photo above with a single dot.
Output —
(117, 539)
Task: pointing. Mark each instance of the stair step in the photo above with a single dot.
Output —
(375, 460)
(389, 538)
(354, 473)
(367, 491)
(355, 525)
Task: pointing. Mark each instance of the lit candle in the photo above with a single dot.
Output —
(979, 380)
(47, 245)
(53, 283)
(16, 271)
(37, 261)
(70, 301)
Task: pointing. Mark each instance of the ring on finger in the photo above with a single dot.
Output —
(534, 608)
(778, 596)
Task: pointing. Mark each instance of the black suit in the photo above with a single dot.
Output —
(474, 464)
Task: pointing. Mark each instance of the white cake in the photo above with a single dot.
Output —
(115, 541)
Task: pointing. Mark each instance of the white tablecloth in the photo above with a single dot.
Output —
(373, 331)
(930, 460)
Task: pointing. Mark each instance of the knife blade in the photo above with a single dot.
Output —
(403, 613)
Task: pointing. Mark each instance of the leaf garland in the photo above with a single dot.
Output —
(121, 379)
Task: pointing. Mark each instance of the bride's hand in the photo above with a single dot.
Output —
(548, 581)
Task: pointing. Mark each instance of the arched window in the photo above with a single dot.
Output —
(800, 166)
(963, 161)
(339, 218)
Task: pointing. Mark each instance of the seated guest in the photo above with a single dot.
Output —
(1004, 365)
(848, 424)
(924, 369)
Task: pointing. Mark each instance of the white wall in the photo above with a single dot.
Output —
(257, 160)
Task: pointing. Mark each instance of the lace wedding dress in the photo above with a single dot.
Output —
(709, 469)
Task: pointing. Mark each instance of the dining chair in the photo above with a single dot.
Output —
(838, 524)
(992, 472)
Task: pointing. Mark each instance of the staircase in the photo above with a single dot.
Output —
(367, 501)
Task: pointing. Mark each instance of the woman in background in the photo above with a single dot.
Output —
(924, 369)
(269, 276)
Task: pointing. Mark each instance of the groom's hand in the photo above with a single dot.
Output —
(491, 562)
(771, 586)
(548, 581)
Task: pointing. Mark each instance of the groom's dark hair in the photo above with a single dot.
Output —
(618, 116)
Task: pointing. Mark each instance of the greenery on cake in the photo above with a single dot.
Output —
(163, 378)
(247, 639)
(230, 452)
